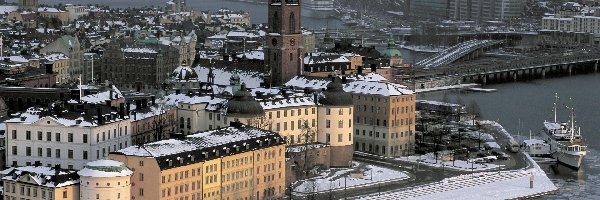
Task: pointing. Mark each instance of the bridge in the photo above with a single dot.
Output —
(518, 69)
(468, 50)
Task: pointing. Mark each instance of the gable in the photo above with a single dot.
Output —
(47, 121)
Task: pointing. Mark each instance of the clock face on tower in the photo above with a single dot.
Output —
(274, 42)
(292, 41)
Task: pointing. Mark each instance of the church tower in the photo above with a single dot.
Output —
(283, 49)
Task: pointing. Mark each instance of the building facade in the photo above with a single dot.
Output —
(144, 67)
(40, 183)
(237, 162)
(37, 136)
(384, 121)
(29, 5)
(486, 10)
(105, 179)
(71, 47)
(284, 40)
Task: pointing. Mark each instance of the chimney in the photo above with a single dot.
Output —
(49, 68)
(235, 124)
(177, 91)
(373, 67)
(138, 104)
(144, 103)
(134, 115)
(108, 102)
(111, 93)
(122, 110)
(128, 106)
(153, 99)
(37, 163)
(78, 121)
(344, 79)
(99, 115)
(360, 69)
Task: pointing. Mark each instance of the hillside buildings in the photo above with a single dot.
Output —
(468, 10)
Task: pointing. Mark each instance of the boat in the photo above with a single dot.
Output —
(318, 8)
(565, 140)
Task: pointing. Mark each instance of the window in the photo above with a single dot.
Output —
(39, 135)
(85, 155)
(292, 23)
(14, 134)
(48, 152)
(328, 111)
(40, 152)
(327, 138)
(57, 137)
(14, 150)
(141, 177)
(340, 137)
(48, 136)
(70, 137)
(28, 151)
(70, 154)
(28, 135)
(328, 124)
(85, 138)
(341, 124)
(64, 194)
(141, 191)
(57, 152)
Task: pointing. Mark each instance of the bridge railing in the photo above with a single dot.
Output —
(535, 62)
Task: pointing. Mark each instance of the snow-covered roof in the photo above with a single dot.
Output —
(138, 50)
(174, 99)
(105, 168)
(102, 97)
(376, 88)
(56, 56)
(8, 9)
(42, 176)
(201, 141)
(222, 76)
(48, 9)
(289, 102)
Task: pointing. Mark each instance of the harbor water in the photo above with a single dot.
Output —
(531, 103)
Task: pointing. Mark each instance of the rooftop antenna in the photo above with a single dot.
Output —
(80, 88)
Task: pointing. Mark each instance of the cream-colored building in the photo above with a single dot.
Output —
(186, 46)
(40, 183)
(39, 136)
(60, 64)
(61, 15)
(106, 180)
(384, 113)
(237, 162)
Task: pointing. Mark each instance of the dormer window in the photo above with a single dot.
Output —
(170, 163)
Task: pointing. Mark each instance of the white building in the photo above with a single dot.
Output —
(70, 143)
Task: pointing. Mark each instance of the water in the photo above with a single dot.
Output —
(258, 12)
(531, 103)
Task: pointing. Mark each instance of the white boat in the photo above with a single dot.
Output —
(566, 143)
(318, 8)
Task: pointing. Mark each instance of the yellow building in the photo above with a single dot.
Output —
(106, 180)
(237, 162)
(59, 63)
(36, 182)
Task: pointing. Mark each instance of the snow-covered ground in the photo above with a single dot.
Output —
(333, 179)
(460, 165)
(486, 185)
(449, 87)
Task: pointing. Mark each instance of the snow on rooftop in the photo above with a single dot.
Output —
(41, 175)
(222, 76)
(8, 9)
(105, 168)
(196, 141)
(174, 99)
(138, 50)
(102, 97)
(376, 88)
(289, 102)
(56, 56)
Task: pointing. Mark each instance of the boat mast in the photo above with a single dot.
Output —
(555, 101)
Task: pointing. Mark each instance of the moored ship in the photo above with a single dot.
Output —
(566, 142)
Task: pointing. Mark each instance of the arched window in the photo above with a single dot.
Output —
(181, 123)
(292, 23)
